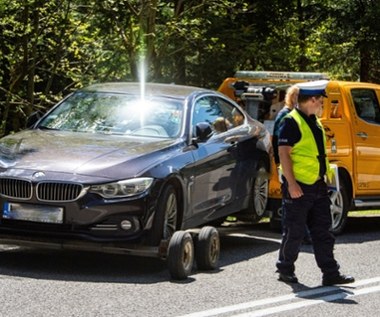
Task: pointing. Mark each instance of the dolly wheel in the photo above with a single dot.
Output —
(207, 248)
(180, 255)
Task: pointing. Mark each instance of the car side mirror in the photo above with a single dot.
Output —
(33, 118)
(202, 131)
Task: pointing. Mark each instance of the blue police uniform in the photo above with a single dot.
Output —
(312, 208)
(276, 131)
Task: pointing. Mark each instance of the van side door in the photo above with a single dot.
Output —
(366, 137)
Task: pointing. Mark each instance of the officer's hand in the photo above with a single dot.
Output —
(295, 190)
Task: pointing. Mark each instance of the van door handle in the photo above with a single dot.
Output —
(362, 135)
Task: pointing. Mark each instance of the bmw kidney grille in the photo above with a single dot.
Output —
(44, 191)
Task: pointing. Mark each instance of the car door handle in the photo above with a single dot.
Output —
(362, 135)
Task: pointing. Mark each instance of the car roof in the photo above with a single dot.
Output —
(171, 90)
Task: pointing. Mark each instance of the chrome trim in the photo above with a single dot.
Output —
(47, 191)
(370, 203)
(50, 191)
(105, 227)
(16, 188)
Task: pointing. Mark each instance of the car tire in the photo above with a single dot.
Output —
(207, 248)
(180, 257)
(259, 193)
(165, 220)
(339, 207)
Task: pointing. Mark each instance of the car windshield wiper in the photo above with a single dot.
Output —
(47, 128)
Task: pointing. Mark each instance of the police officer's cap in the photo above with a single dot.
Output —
(313, 88)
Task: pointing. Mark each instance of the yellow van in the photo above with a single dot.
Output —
(351, 119)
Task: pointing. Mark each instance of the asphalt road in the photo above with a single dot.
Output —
(60, 283)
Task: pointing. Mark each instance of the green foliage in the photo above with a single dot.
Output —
(49, 48)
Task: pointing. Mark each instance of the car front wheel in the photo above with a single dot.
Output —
(165, 220)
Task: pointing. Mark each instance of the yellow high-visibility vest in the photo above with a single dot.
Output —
(305, 153)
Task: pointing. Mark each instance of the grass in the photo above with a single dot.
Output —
(364, 213)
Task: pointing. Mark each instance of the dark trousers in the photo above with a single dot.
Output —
(313, 210)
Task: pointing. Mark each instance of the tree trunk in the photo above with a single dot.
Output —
(179, 57)
(302, 60)
(365, 62)
(4, 83)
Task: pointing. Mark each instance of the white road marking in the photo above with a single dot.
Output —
(316, 297)
(365, 282)
(305, 303)
(243, 235)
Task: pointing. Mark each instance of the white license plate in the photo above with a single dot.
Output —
(36, 213)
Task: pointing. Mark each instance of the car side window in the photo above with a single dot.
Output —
(232, 114)
(206, 109)
(217, 112)
(366, 105)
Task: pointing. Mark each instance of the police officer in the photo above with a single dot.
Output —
(291, 100)
(304, 165)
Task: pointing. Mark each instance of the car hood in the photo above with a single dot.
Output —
(80, 153)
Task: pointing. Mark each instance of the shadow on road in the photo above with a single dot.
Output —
(81, 266)
(239, 242)
(360, 229)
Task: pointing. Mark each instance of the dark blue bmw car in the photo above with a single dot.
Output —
(121, 167)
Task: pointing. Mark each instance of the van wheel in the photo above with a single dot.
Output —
(180, 255)
(339, 208)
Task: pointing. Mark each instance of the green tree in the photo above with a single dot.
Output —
(49, 48)
(357, 36)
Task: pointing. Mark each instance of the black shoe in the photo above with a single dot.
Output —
(340, 279)
(288, 278)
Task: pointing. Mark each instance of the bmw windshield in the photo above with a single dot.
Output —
(113, 113)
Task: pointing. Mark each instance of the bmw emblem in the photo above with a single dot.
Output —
(38, 174)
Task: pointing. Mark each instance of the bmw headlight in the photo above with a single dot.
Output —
(124, 188)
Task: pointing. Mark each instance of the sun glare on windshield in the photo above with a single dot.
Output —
(121, 114)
